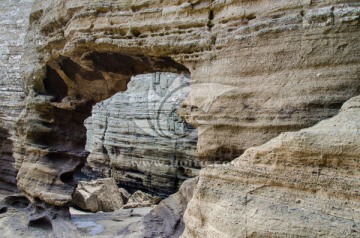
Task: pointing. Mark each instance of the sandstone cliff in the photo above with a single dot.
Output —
(260, 68)
(298, 184)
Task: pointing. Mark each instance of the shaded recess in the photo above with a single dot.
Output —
(7, 170)
(100, 75)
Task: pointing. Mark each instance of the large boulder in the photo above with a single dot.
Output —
(99, 195)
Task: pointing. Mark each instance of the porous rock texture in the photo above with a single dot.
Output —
(137, 138)
(19, 218)
(299, 184)
(259, 68)
(13, 25)
(99, 195)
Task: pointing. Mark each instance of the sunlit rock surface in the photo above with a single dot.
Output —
(299, 184)
(259, 68)
(99, 195)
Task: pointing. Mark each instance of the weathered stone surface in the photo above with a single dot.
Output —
(48, 166)
(7, 169)
(299, 184)
(124, 194)
(166, 219)
(99, 195)
(19, 218)
(259, 69)
(141, 199)
(137, 138)
(13, 24)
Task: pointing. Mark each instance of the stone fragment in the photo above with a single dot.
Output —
(166, 219)
(141, 199)
(99, 195)
(124, 194)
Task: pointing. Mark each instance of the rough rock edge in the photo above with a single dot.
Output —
(298, 184)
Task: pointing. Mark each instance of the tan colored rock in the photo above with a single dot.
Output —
(299, 184)
(100, 195)
(258, 68)
(141, 199)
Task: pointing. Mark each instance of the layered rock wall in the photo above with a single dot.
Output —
(259, 68)
(298, 184)
(13, 24)
(137, 138)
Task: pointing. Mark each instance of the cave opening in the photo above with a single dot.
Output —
(134, 136)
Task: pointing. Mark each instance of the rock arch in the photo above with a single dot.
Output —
(245, 56)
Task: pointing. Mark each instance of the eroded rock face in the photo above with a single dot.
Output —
(137, 138)
(141, 199)
(7, 169)
(99, 195)
(48, 166)
(260, 69)
(297, 184)
(13, 24)
(166, 219)
(20, 218)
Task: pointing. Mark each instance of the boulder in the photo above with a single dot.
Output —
(166, 219)
(99, 195)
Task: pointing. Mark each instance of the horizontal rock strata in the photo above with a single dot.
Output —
(298, 184)
(259, 68)
(137, 138)
(13, 25)
(7, 169)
